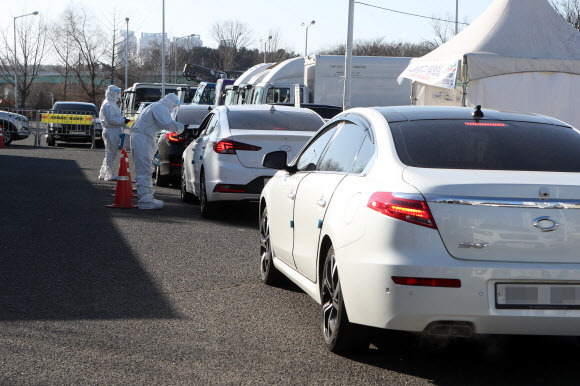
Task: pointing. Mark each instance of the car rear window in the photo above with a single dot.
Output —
(486, 145)
(274, 120)
(72, 107)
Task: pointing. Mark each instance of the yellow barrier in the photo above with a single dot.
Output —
(68, 119)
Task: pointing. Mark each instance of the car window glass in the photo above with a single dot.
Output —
(366, 152)
(208, 124)
(487, 145)
(309, 158)
(212, 125)
(343, 149)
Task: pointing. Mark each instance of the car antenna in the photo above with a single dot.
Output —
(477, 114)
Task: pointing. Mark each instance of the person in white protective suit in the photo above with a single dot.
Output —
(155, 117)
(113, 124)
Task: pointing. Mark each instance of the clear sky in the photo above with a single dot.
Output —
(184, 17)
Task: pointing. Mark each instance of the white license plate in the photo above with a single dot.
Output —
(266, 181)
(537, 296)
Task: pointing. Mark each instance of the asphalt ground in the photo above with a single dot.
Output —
(91, 295)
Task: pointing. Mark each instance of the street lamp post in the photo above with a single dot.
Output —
(16, 59)
(265, 42)
(126, 53)
(348, 57)
(175, 53)
(306, 44)
(163, 54)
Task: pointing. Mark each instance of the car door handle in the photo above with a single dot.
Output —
(291, 196)
(321, 203)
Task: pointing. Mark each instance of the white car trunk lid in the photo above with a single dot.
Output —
(269, 140)
(504, 215)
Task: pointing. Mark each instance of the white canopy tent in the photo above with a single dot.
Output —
(518, 55)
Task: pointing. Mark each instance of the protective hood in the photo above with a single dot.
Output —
(113, 93)
(171, 101)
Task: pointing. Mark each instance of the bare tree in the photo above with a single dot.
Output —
(445, 30)
(377, 47)
(88, 48)
(31, 50)
(274, 46)
(569, 10)
(61, 42)
(114, 26)
(231, 33)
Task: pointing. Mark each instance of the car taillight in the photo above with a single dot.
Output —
(174, 137)
(413, 211)
(227, 146)
(427, 282)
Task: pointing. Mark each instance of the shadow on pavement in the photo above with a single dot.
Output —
(482, 360)
(61, 256)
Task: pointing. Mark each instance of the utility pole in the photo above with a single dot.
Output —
(126, 53)
(348, 58)
(456, 16)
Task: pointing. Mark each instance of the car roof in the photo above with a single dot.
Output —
(264, 108)
(417, 113)
(75, 103)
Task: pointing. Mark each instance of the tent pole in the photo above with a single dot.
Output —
(464, 81)
(413, 93)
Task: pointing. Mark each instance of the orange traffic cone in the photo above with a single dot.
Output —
(123, 190)
(129, 171)
(1, 137)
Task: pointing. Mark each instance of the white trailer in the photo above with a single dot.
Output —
(321, 78)
(374, 80)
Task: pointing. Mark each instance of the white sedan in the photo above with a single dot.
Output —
(224, 162)
(444, 221)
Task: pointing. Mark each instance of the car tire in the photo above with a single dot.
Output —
(100, 144)
(185, 195)
(340, 336)
(160, 180)
(206, 208)
(268, 272)
(50, 141)
(7, 133)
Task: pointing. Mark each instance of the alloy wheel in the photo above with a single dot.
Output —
(331, 298)
(265, 250)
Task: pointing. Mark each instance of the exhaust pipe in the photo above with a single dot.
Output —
(450, 329)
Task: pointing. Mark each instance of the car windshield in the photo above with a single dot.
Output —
(276, 120)
(487, 145)
(151, 94)
(74, 107)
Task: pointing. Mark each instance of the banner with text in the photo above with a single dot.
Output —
(438, 74)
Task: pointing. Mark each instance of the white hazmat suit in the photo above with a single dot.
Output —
(155, 117)
(113, 124)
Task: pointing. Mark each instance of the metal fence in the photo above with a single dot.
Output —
(54, 125)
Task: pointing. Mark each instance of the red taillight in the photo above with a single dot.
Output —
(490, 124)
(227, 189)
(227, 146)
(427, 282)
(173, 137)
(413, 211)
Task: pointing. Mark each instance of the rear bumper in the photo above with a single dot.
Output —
(244, 184)
(367, 266)
(79, 136)
(379, 302)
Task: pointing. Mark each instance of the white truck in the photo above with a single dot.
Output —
(233, 91)
(144, 92)
(321, 78)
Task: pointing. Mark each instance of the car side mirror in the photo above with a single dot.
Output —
(276, 160)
